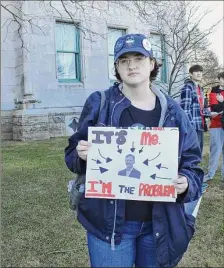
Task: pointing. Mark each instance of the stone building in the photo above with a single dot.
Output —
(53, 57)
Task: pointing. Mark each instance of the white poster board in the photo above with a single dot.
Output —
(132, 164)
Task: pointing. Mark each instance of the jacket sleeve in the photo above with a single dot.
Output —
(88, 118)
(214, 104)
(189, 160)
(186, 101)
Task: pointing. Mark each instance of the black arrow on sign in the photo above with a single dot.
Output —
(108, 159)
(160, 166)
(146, 162)
(155, 177)
(133, 147)
(101, 169)
(119, 150)
(97, 161)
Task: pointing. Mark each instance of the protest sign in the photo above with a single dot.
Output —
(132, 164)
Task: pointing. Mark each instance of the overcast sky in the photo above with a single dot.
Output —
(216, 38)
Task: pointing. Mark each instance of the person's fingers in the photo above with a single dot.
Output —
(179, 179)
(182, 180)
(83, 154)
(180, 184)
(83, 145)
(82, 149)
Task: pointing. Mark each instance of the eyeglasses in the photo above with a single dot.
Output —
(137, 60)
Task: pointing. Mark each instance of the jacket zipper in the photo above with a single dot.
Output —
(111, 121)
(164, 121)
(113, 233)
(115, 205)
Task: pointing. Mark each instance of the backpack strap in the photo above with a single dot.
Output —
(102, 101)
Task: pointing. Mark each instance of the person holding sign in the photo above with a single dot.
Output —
(123, 233)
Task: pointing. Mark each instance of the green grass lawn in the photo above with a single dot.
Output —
(39, 230)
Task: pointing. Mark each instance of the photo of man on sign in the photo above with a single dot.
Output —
(130, 171)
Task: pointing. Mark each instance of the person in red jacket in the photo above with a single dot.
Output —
(216, 100)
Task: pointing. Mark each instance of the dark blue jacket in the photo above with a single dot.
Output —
(172, 227)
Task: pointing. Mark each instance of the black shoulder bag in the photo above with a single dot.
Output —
(76, 187)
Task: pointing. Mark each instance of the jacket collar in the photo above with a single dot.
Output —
(163, 103)
(162, 98)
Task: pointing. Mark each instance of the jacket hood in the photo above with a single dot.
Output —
(163, 103)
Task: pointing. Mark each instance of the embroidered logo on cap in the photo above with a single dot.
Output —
(119, 45)
(130, 41)
(146, 44)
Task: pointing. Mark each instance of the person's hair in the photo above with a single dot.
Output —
(221, 75)
(130, 155)
(195, 68)
(153, 73)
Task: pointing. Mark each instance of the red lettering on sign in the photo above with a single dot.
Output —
(92, 189)
(156, 190)
(149, 139)
(103, 189)
(107, 187)
(99, 195)
(157, 128)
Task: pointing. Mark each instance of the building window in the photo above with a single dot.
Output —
(158, 47)
(113, 35)
(67, 52)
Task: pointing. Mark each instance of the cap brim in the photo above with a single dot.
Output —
(130, 50)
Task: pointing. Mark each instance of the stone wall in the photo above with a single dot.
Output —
(36, 124)
(6, 125)
(28, 126)
(19, 125)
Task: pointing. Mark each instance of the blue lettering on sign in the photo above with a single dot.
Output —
(102, 135)
(126, 189)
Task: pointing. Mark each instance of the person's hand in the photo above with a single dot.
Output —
(219, 98)
(214, 114)
(181, 184)
(82, 149)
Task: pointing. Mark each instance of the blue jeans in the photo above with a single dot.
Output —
(192, 207)
(136, 247)
(216, 150)
(200, 139)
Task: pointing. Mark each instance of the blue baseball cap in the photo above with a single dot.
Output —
(132, 43)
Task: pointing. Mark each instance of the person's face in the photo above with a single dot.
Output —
(134, 68)
(129, 161)
(196, 76)
(221, 81)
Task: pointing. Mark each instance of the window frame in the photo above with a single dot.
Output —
(77, 53)
(124, 32)
(163, 74)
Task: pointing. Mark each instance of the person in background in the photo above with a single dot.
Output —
(192, 101)
(216, 101)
